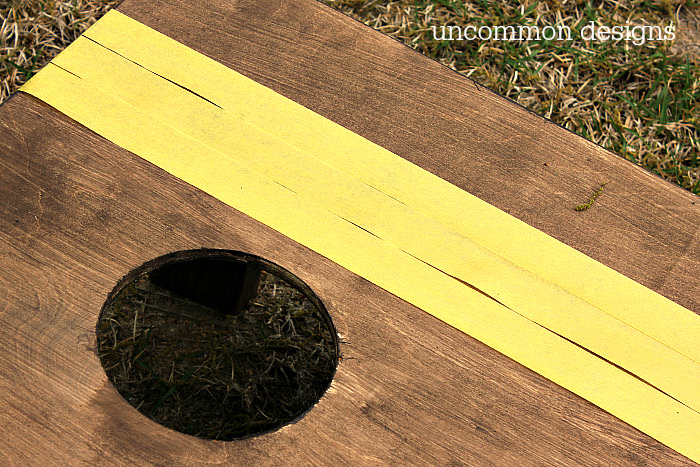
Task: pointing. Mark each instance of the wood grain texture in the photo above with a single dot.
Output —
(77, 213)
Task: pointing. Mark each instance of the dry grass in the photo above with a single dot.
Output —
(32, 32)
(212, 375)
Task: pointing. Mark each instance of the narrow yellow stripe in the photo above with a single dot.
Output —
(314, 193)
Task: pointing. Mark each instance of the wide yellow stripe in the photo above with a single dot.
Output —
(461, 212)
(237, 155)
(432, 242)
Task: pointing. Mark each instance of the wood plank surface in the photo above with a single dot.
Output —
(77, 213)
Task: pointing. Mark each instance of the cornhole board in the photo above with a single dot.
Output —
(79, 212)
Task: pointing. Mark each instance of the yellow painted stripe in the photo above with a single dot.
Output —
(247, 160)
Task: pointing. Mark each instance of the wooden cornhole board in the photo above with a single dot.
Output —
(79, 212)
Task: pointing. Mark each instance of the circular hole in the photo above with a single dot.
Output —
(217, 344)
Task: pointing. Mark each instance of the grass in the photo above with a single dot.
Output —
(32, 32)
(211, 375)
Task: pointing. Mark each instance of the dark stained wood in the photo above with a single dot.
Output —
(78, 213)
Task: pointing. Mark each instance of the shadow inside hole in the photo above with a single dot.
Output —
(199, 366)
